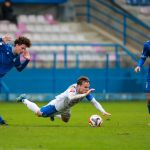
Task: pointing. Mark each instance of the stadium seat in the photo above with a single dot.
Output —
(22, 27)
(23, 19)
(65, 29)
(4, 28)
(47, 28)
(81, 38)
(28, 35)
(36, 49)
(60, 57)
(54, 38)
(55, 28)
(145, 10)
(50, 19)
(71, 57)
(39, 28)
(72, 48)
(37, 38)
(12, 28)
(31, 19)
(45, 48)
(41, 19)
(30, 28)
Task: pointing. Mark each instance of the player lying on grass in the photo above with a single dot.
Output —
(62, 103)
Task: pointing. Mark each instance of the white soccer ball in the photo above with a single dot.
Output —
(95, 121)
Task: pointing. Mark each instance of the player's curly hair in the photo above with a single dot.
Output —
(22, 40)
(82, 79)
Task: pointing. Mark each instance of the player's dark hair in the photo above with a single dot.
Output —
(82, 79)
(22, 40)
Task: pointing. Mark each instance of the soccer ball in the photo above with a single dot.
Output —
(95, 121)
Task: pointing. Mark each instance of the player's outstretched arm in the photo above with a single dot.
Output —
(99, 107)
(89, 91)
(106, 114)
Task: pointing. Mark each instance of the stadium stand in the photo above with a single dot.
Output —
(138, 8)
(98, 38)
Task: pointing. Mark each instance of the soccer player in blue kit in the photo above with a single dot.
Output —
(145, 54)
(61, 105)
(10, 56)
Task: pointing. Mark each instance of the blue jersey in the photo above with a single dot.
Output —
(8, 60)
(145, 53)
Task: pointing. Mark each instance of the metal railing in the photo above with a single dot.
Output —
(129, 29)
(100, 53)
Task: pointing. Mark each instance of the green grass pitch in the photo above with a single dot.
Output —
(127, 128)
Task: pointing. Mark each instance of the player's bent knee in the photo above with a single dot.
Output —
(65, 116)
(65, 119)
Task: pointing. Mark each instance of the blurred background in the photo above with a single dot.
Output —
(101, 39)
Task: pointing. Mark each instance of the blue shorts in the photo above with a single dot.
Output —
(48, 110)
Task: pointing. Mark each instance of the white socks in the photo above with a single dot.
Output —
(32, 106)
(58, 116)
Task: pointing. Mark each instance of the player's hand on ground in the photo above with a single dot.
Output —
(89, 91)
(106, 114)
(26, 55)
(6, 38)
(137, 69)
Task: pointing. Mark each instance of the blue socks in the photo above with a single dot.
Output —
(1, 119)
(148, 108)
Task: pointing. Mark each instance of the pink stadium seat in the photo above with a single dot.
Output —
(50, 19)
(145, 10)
(22, 27)
(17, 34)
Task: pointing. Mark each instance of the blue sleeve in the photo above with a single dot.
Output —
(1, 39)
(141, 62)
(145, 53)
(20, 66)
(89, 97)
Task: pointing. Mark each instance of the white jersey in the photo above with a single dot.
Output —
(67, 99)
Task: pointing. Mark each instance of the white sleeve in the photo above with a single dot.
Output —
(77, 96)
(72, 95)
(74, 98)
(97, 105)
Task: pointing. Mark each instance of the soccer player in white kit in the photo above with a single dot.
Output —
(62, 103)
